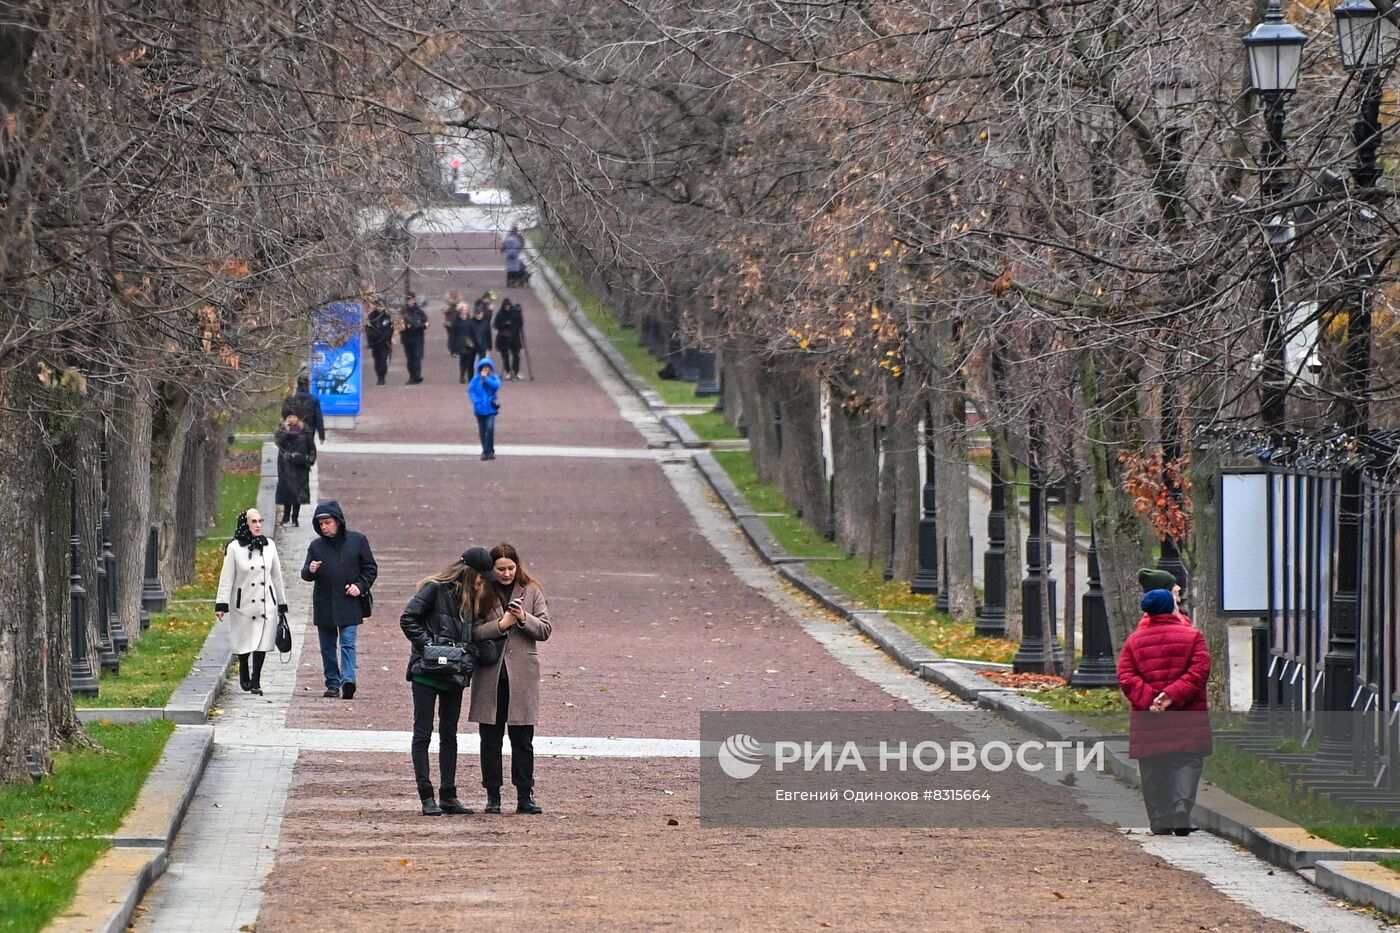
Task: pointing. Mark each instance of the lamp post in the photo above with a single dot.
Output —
(1037, 614)
(1275, 51)
(84, 680)
(1368, 42)
(991, 615)
(1173, 94)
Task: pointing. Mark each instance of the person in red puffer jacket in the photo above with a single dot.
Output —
(1163, 672)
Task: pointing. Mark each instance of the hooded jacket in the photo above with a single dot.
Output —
(345, 558)
(1164, 656)
(510, 325)
(483, 389)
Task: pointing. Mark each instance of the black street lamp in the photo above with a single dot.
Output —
(1275, 50)
(83, 681)
(991, 615)
(1099, 668)
(1038, 615)
(1368, 44)
(1173, 94)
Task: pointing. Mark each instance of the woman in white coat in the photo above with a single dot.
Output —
(250, 588)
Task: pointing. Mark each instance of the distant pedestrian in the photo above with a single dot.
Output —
(341, 565)
(478, 335)
(442, 613)
(449, 314)
(482, 391)
(463, 339)
(506, 695)
(510, 337)
(414, 322)
(379, 330)
(514, 247)
(1151, 578)
(296, 454)
(250, 590)
(1163, 672)
(307, 407)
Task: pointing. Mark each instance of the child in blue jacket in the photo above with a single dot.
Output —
(482, 390)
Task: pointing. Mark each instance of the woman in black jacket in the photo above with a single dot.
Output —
(510, 337)
(442, 611)
(296, 454)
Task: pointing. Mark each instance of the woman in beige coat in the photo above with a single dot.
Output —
(506, 695)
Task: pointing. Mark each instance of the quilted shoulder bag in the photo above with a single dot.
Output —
(447, 658)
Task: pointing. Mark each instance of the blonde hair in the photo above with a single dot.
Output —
(471, 603)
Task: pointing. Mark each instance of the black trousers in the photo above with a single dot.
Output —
(1169, 784)
(412, 341)
(522, 745)
(510, 357)
(381, 359)
(464, 364)
(449, 709)
(291, 512)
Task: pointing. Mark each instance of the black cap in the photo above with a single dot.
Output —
(479, 559)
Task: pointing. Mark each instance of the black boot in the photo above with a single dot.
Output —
(255, 682)
(244, 681)
(493, 800)
(525, 803)
(450, 804)
(430, 807)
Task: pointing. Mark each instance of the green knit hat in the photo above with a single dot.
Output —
(1150, 578)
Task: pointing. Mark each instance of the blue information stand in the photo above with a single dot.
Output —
(336, 358)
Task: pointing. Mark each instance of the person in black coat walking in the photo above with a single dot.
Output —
(379, 330)
(442, 612)
(415, 328)
(510, 337)
(307, 407)
(341, 565)
(463, 339)
(296, 454)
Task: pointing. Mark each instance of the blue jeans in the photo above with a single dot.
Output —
(342, 668)
(486, 427)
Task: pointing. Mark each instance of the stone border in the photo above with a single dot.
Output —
(109, 891)
(1286, 845)
(1362, 882)
(165, 797)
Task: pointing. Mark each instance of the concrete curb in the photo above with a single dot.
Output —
(165, 798)
(195, 697)
(110, 890)
(1361, 882)
(682, 429)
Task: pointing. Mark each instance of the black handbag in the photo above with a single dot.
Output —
(284, 634)
(488, 652)
(445, 659)
(366, 604)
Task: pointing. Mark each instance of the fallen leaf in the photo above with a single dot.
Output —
(673, 822)
(1058, 895)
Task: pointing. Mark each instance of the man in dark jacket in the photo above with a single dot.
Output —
(379, 330)
(339, 562)
(307, 407)
(415, 328)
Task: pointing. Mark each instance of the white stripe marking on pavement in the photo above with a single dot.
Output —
(474, 450)
(469, 743)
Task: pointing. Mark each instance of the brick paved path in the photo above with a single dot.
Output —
(659, 614)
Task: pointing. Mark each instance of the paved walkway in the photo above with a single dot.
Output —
(308, 819)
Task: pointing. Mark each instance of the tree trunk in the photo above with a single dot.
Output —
(800, 462)
(857, 481)
(33, 713)
(1122, 539)
(167, 459)
(88, 463)
(1014, 540)
(187, 523)
(129, 491)
(215, 456)
(954, 519)
(1071, 613)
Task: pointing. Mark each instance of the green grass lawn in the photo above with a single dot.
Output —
(624, 338)
(47, 827)
(857, 578)
(1392, 863)
(711, 426)
(265, 418)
